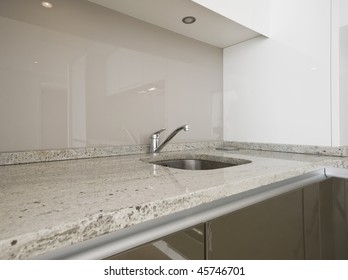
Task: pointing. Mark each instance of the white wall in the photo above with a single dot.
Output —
(277, 89)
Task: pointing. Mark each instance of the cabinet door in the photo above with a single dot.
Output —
(272, 229)
(326, 220)
(333, 213)
(189, 243)
(186, 244)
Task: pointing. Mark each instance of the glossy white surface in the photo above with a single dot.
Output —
(335, 76)
(46, 206)
(254, 14)
(210, 27)
(343, 71)
(78, 75)
(343, 12)
(343, 89)
(339, 66)
(277, 89)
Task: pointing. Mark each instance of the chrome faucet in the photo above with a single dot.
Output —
(154, 138)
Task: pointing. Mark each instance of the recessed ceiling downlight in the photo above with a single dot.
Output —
(189, 20)
(46, 4)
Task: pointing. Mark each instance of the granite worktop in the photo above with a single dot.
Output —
(50, 205)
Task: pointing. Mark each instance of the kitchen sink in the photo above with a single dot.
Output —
(194, 164)
(198, 162)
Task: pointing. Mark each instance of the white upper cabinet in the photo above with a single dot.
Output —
(278, 90)
(253, 14)
(213, 26)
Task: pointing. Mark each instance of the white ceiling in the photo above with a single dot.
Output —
(209, 27)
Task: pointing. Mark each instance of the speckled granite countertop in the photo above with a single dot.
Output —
(44, 206)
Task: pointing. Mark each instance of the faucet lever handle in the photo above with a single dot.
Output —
(156, 134)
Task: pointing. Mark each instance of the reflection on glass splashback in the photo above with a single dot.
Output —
(81, 75)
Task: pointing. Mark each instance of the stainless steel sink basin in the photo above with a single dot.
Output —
(194, 164)
(197, 162)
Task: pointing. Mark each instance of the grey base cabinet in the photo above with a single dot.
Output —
(309, 223)
(333, 219)
(272, 229)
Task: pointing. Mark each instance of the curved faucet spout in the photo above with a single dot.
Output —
(154, 144)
